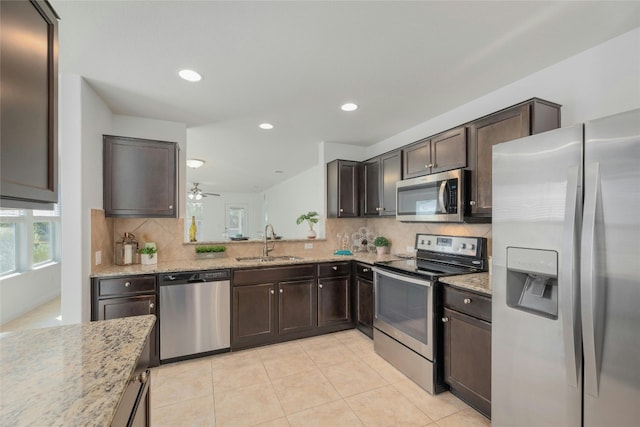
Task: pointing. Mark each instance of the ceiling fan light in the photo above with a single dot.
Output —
(191, 196)
(195, 163)
(198, 196)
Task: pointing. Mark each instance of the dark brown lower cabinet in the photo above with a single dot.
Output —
(364, 298)
(296, 306)
(134, 409)
(117, 297)
(333, 301)
(254, 310)
(467, 356)
(272, 304)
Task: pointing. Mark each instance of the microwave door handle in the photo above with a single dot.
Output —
(443, 208)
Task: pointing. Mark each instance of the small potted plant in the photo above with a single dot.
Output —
(215, 251)
(312, 218)
(148, 255)
(382, 244)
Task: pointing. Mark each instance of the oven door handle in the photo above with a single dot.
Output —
(419, 282)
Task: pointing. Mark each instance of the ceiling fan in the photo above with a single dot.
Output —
(197, 194)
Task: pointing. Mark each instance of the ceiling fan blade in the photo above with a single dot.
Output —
(212, 194)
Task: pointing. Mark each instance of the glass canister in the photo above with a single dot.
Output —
(126, 251)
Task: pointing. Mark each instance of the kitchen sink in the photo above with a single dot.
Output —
(269, 258)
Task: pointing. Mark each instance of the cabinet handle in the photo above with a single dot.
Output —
(272, 292)
(341, 210)
(335, 268)
(445, 319)
(151, 305)
(281, 291)
(142, 378)
(170, 206)
(472, 203)
(365, 270)
(467, 301)
(320, 285)
(430, 165)
(127, 284)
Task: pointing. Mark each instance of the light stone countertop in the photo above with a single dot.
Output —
(478, 282)
(72, 375)
(230, 262)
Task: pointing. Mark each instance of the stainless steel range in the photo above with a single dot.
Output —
(407, 301)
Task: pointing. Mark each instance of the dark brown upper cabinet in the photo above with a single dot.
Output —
(343, 189)
(139, 177)
(28, 105)
(438, 153)
(528, 118)
(380, 175)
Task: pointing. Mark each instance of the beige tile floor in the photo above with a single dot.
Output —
(45, 315)
(332, 380)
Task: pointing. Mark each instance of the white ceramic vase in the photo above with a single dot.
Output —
(148, 259)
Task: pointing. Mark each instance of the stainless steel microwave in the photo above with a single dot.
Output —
(432, 198)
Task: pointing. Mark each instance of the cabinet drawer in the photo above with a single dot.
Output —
(333, 269)
(126, 285)
(468, 303)
(364, 271)
(272, 275)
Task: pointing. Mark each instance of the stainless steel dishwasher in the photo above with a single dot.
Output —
(195, 313)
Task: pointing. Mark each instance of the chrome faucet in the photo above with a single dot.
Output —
(266, 249)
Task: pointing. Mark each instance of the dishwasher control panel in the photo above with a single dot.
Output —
(195, 276)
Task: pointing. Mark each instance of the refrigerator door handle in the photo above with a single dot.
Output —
(592, 299)
(569, 293)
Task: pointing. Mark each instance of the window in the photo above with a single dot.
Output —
(28, 239)
(7, 248)
(236, 220)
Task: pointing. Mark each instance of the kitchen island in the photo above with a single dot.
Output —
(72, 375)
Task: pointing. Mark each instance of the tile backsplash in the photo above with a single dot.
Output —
(168, 235)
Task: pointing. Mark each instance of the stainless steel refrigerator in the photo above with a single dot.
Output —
(566, 276)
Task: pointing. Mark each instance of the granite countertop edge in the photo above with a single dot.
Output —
(476, 282)
(72, 374)
(231, 263)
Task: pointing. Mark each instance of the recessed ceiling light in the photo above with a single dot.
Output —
(190, 75)
(195, 163)
(349, 106)
(265, 126)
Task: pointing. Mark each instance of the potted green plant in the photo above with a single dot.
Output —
(312, 218)
(382, 244)
(214, 251)
(148, 255)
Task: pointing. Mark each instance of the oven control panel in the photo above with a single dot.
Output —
(448, 244)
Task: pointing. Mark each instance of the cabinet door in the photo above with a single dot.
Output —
(28, 106)
(343, 193)
(115, 308)
(467, 359)
(365, 305)
(296, 306)
(139, 177)
(253, 314)
(501, 127)
(333, 301)
(417, 159)
(391, 171)
(371, 177)
(449, 150)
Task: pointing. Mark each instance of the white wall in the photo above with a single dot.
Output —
(212, 221)
(597, 82)
(285, 202)
(84, 118)
(23, 292)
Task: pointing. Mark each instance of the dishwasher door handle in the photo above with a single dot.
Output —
(196, 280)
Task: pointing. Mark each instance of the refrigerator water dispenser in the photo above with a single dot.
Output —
(532, 281)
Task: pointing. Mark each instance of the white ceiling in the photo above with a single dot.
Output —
(294, 63)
